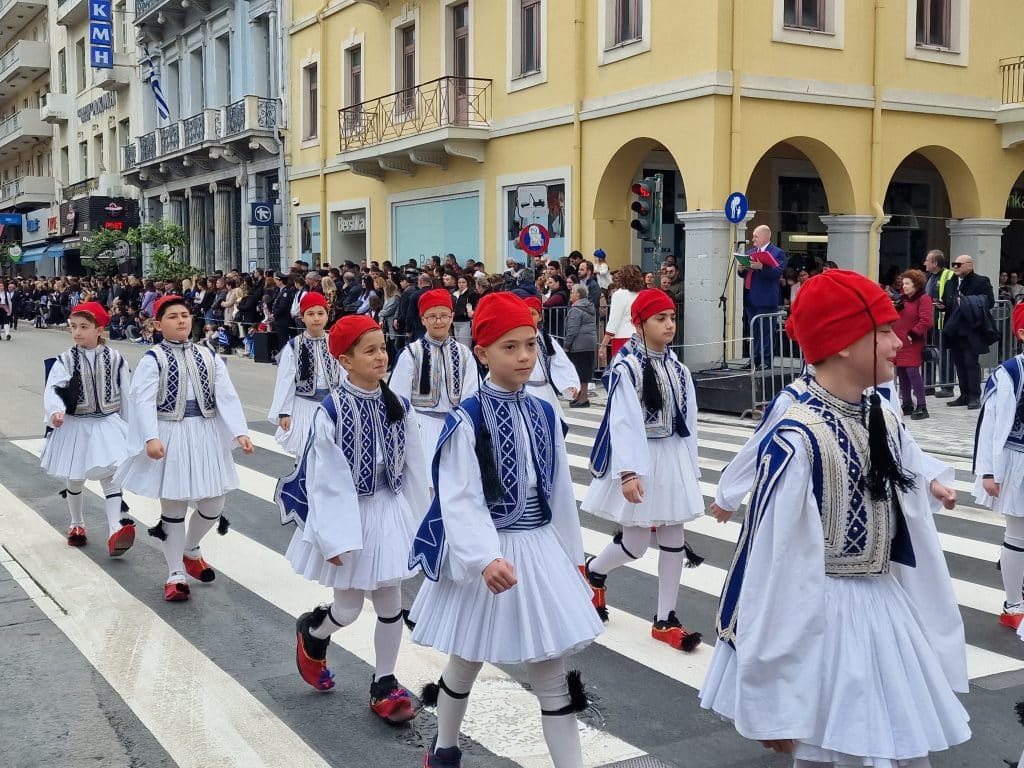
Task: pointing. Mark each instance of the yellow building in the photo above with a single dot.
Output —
(862, 132)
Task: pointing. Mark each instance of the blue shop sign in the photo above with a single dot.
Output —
(101, 34)
(10, 219)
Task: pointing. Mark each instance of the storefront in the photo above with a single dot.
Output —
(450, 221)
(79, 218)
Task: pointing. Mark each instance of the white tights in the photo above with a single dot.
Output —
(917, 762)
(111, 504)
(547, 679)
(178, 541)
(1011, 558)
(387, 636)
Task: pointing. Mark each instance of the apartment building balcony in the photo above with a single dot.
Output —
(423, 125)
(28, 191)
(1010, 114)
(218, 137)
(118, 77)
(14, 15)
(147, 10)
(56, 108)
(22, 63)
(23, 130)
(70, 12)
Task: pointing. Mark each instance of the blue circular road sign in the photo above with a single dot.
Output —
(736, 207)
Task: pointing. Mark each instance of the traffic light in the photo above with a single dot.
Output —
(647, 208)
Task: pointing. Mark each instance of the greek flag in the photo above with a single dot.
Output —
(154, 82)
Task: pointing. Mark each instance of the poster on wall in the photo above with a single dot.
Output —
(309, 239)
(427, 228)
(542, 204)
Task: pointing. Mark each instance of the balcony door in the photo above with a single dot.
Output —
(460, 64)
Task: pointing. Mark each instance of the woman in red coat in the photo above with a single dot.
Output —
(915, 320)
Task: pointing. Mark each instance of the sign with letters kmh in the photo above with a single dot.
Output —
(101, 34)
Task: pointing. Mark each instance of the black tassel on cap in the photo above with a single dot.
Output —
(488, 471)
(157, 531)
(305, 362)
(884, 472)
(425, 369)
(222, 525)
(577, 691)
(394, 411)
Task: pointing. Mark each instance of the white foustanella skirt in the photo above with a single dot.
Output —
(1011, 491)
(293, 440)
(546, 615)
(86, 447)
(197, 463)
(671, 490)
(884, 698)
(388, 528)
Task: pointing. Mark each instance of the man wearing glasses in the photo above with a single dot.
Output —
(967, 302)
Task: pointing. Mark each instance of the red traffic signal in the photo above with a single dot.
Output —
(641, 189)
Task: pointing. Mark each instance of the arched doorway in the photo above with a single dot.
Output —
(635, 160)
(929, 186)
(1011, 257)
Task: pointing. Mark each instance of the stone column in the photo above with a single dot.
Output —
(981, 239)
(196, 229)
(223, 256)
(849, 242)
(708, 265)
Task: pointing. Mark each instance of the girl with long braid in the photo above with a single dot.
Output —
(355, 495)
(644, 464)
(501, 545)
(85, 401)
(306, 373)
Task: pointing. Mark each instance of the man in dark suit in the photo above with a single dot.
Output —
(762, 293)
(281, 309)
(967, 301)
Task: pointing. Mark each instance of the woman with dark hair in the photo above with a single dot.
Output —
(557, 292)
(148, 298)
(915, 320)
(368, 292)
(465, 299)
(627, 284)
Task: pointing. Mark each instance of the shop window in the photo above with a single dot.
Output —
(309, 238)
(535, 203)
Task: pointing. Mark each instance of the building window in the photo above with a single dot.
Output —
(83, 159)
(310, 90)
(406, 102)
(628, 21)
(805, 14)
(80, 65)
(62, 71)
(65, 167)
(355, 76)
(933, 23)
(529, 37)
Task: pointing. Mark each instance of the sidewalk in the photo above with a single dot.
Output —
(949, 431)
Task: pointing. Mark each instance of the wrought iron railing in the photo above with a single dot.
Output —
(128, 156)
(170, 139)
(10, 125)
(195, 129)
(81, 187)
(9, 58)
(142, 7)
(442, 103)
(1013, 80)
(266, 113)
(10, 189)
(147, 147)
(234, 118)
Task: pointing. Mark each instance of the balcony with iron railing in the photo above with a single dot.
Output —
(1010, 114)
(423, 125)
(23, 130)
(229, 132)
(147, 9)
(28, 190)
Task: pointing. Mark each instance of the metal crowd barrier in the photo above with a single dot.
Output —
(784, 364)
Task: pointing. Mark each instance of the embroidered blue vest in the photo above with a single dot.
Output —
(101, 382)
(361, 431)
(862, 536)
(448, 362)
(628, 371)
(1014, 368)
(503, 415)
(179, 364)
(323, 364)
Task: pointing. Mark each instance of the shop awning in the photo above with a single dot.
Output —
(55, 250)
(32, 253)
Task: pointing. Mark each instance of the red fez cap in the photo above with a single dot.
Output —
(312, 299)
(438, 297)
(347, 331)
(497, 314)
(1017, 319)
(163, 301)
(648, 303)
(532, 302)
(835, 309)
(95, 310)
